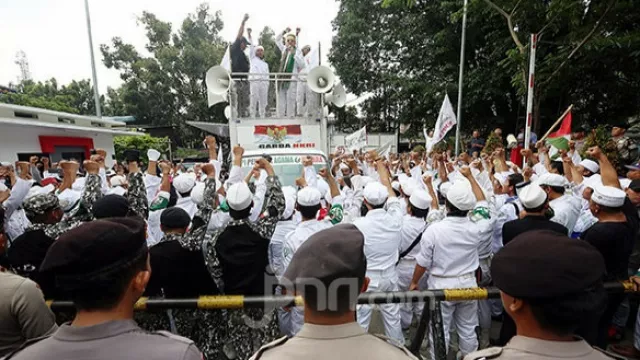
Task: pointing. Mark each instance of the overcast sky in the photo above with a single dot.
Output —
(53, 33)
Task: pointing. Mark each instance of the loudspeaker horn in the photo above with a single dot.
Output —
(213, 99)
(227, 112)
(337, 97)
(218, 80)
(320, 79)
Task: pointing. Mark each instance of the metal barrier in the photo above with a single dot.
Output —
(430, 315)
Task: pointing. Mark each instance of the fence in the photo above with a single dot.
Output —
(431, 314)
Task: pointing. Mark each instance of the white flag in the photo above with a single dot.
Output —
(357, 140)
(446, 121)
(428, 141)
(384, 150)
(312, 59)
(226, 60)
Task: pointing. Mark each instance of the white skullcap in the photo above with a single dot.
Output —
(625, 183)
(184, 182)
(375, 193)
(239, 197)
(118, 180)
(291, 35)
(289, 201)
(118, 190)
(344, 166)
(461, 195)
(407, 186)
(68, 199)
(259, 47)
(3, 187)
(590, 165)
(395, 185)
(550, 179)
(593, 181)
(444, 188)
(532, 196)
(153, 155)
(37, 190)
(420, 200)
(197, 193)
(608, 196)
(323, 187)
(309, 196)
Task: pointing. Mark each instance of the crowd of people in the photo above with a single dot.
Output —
(547, 234)
(252, 79)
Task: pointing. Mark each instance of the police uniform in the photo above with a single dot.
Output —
(331, 255)
(382, 232)
(523, 269)
(99, 249)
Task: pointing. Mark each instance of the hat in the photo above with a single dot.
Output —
(420, 200)
(322, 186)
(39, 204)
(95, 249)
(239, 197)
(118, 180)
(590, 165)
(444, 187)
(524, 269)
(244, 40)
(289, 201)
(550, 179)
(111, 206)
(532, 196)
(592, 181)
(39, 190)
(634, 167)
(334, 253)
(259, 47)
(375, 193)
(635, 185)
(522, 185)
(309, 196)
(197, 193)
(608, 196)
(407, 186)
(395, 185)
(461, 195)
(290, 35)
(184, 183)
(68, 199)
(625, 183)
(308, 47)
(174, 218)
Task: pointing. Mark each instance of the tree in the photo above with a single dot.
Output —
(76, 97)
(167, 87)
(142, 143)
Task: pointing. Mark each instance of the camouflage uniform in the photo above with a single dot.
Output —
(137, 195)
(247, 329)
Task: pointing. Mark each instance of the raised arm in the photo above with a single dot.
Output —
(137, 191)
(274, 203)
(607, 171)
(241, 30)
(252, 45)
(477, 190)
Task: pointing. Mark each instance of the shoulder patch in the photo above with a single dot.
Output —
(173, 336)
(489, 353)
(395, 343)
(269, 346)
(24, 345)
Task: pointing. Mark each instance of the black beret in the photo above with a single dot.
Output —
(174, 218)
(111, 206)
(335, 253)
(544, 264)
(96, 248)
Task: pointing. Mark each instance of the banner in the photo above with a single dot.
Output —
(312, 59)
(357, 140)
(385, 150)
(274, 134)
(226, 60)
(446, 121)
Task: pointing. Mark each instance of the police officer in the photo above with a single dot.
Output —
(547, 308)
(104, 267)
(330, 257)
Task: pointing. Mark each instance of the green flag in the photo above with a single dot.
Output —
(560, 143)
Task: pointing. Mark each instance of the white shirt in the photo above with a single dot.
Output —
(16, 220)
(411, 228)
(218, 220)
(586, 218)
(566, 211)
(294, 239)
(382, 235)
(276, 246)
(450, 247)
(152, 184)
(506, 213)
(187, 205)
(258, 66)
(298, 58)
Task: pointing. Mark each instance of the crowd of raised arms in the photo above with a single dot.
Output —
(548, 234)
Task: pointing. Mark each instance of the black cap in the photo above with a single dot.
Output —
(174, 218)
(131, 155)
(244, 40)
(111, 206)
(635, 185)
(96, 248)
(335, 253)
(544, 264)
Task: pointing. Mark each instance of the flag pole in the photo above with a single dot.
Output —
(460, 77)
(96, 92)
(532, 71)
(557, 122)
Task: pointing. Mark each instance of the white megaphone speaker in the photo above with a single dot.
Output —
(338, 97)
(218, 80)
(512, 142)
(227, 112)
(213, 99)
(320, 79)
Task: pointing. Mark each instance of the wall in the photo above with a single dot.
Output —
(16, 139)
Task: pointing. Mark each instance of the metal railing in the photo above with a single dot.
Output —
(431, 314)
(286, 96)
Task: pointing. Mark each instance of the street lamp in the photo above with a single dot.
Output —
(96, 93)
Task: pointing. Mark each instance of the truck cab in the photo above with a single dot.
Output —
(287, 163)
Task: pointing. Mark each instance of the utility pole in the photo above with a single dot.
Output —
(461, 76)
(96, 92)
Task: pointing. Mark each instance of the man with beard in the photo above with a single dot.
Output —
(259, 78)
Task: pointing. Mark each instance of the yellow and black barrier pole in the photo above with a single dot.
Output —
(430, 314)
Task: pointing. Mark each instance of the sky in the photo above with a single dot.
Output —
(53, 33)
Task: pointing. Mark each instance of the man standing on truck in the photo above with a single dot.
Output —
(291, 62)
(240, 64)
(259, 85)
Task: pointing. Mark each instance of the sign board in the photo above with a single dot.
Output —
(357, 140)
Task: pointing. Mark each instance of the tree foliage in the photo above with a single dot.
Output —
(406, 52)
(142, 143)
